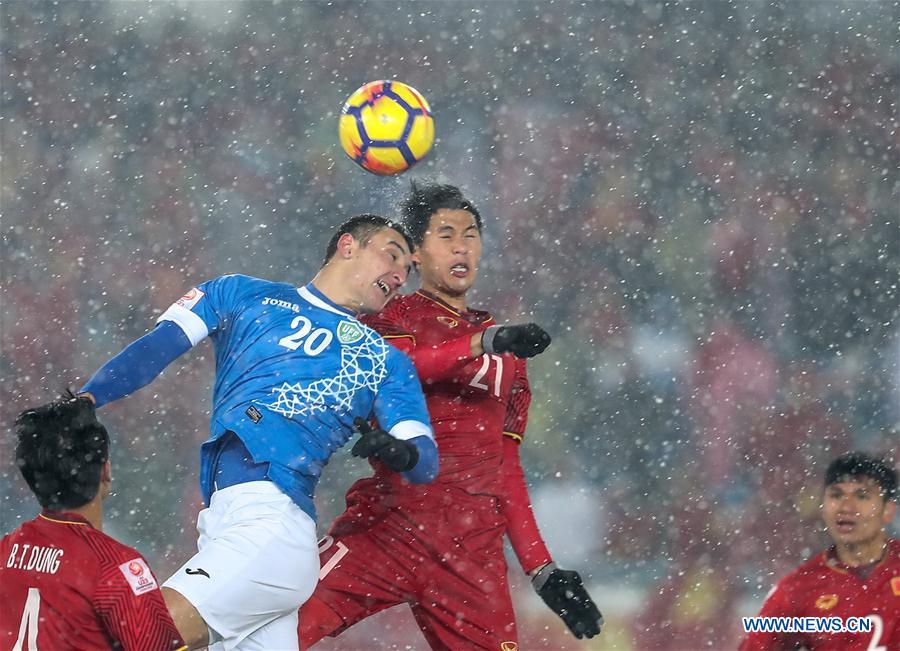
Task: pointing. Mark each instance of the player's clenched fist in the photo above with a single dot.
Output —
(526, 340)
(564, 592)
(398, 455)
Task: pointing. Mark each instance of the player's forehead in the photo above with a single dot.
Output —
(390, 238)
(852, 484)
(451, 220)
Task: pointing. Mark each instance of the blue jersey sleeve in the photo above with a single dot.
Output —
(206, 308)
(399, 403)
(138, 364)
(400, 408)
(426, 468)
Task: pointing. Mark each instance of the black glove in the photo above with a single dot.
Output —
(526, 340)
(398, 455)
(563, 591)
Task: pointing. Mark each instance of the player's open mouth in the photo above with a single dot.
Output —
(459, 270)
(383, 287)
(844, 525)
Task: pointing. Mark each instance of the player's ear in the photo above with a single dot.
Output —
(890, 510)
(346, 246)
(415, 259)
(106, 473)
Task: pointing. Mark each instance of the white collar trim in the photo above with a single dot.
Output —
(309, 297)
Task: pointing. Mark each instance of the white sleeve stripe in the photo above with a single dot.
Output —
(407, 429)
(192, 325)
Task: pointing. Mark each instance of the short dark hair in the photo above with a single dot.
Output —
(362, 227)
(60, 450)
(854, 465)
(426, 198)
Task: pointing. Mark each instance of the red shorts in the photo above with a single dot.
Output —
(443, 557)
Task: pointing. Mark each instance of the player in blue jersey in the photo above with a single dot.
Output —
(296, 373)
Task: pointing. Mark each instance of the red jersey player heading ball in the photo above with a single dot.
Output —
(439, 548)
(64, 584)
(858, 576)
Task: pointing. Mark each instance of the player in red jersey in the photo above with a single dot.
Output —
(858, 576)
(64, 584)
(439, 548)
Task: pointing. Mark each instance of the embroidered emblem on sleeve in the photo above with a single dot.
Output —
(190, 299)
(138, 576)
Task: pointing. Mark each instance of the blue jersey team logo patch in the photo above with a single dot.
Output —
(348, 332)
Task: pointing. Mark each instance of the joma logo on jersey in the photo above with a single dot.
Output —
(348, 332)
(447, 321)
(277, 302)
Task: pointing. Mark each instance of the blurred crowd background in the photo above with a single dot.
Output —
(698, 200)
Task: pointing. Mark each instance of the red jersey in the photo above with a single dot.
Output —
(66, 585)
(824, 587)
(472, 402)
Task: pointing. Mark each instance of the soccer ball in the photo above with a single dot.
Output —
(386, 127)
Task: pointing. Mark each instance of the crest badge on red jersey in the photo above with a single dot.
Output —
(827, 601)
(138, 575)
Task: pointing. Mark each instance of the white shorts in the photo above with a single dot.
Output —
(257, 563)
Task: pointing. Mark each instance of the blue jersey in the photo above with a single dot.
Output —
(292, 372)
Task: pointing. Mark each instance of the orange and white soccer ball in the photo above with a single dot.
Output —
(386, 127)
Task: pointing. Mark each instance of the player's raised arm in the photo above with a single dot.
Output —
(183, 325)
(435, 363)
(137, 365)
